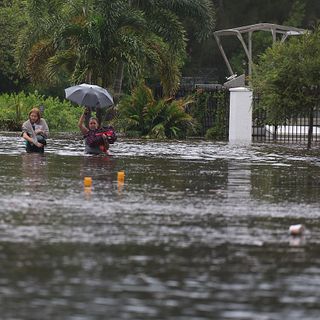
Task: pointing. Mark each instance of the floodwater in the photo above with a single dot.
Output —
(198, 230)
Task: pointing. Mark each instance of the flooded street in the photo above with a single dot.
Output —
(198, 230)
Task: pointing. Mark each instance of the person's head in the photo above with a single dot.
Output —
(34, 115)
(93, 123)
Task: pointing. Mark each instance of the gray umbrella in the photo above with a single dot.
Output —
(89, 95)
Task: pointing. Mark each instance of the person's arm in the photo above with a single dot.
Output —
(26, 137)
(81, 125)
(45, 129)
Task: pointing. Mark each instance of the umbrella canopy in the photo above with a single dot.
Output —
(89, 95)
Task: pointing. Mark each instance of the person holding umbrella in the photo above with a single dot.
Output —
(91, 97)
(95, 143)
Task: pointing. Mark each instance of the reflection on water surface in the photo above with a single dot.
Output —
(197, 231)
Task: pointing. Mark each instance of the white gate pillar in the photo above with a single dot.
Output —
(240, 116)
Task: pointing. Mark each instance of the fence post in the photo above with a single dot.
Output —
(240, 116)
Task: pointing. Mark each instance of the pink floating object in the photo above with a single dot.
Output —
(296, 229)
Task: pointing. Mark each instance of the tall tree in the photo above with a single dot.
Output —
(76, 43)
(93, 40)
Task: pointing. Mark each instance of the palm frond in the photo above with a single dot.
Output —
(37, 59)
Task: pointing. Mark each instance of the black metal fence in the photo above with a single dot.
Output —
(210, 109)
(293, 130)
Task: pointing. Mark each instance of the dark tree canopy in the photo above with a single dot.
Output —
(203, 59)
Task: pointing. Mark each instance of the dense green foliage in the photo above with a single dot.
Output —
(132, 35)
(49, 45)
(10, 23)
(139, 114)
(60, 116)
(110, 43)
(287, 78)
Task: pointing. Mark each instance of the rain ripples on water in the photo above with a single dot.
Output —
(198, 230)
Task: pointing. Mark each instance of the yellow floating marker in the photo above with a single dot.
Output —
(87, 181)
(121, 176)
(120, 181)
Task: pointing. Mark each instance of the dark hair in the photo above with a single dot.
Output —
(96, 120)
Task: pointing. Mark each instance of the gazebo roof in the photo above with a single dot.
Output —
(275, 29)
(260, 27)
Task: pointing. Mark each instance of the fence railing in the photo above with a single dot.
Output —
(211, 108)
(214, 113)
(293, 130)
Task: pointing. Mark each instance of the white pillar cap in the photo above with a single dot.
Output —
(240, 89)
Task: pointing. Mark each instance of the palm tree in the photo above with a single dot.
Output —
(37, 44)
(100, 41)
(80, 43)
(166, 19)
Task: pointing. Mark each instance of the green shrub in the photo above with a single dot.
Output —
(60, 115)
(141, 113)
(215, 133)
(210, 107)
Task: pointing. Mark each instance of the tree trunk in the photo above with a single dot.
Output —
(117, 85)
(89, 77)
